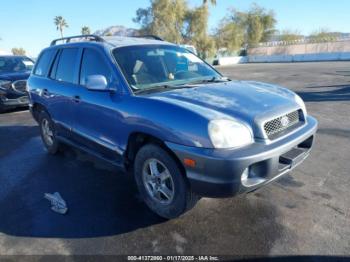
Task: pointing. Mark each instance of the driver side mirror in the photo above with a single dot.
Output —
(96, 83)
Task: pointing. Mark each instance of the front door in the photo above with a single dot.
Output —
(97, 119)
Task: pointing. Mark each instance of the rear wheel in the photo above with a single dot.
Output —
(161, 183)
(48, 134)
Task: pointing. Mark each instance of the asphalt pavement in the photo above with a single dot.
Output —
(304, 213)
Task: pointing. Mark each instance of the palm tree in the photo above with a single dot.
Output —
(85, 30)
(60, 24)
(213, 2)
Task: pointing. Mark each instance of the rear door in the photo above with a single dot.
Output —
(98, 120)
(64, 82)
(38, 82)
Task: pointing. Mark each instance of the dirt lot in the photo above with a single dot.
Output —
(307, 212)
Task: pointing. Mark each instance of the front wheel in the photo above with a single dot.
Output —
(161, 183)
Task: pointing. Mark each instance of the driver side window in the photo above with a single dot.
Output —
(93, 64)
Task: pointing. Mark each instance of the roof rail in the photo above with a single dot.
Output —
(150, 37)
(95, 38)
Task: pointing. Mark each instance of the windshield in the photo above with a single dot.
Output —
(151, 66)
(15, 64)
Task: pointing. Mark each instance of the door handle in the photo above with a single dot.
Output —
(45, 92)
(76, 99)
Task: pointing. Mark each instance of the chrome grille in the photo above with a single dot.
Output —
(20, 86)
(274, 127)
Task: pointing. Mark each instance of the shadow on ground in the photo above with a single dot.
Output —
(102, 201)
(342, 133)
(12, 137)
(13, 110)
(337, 93)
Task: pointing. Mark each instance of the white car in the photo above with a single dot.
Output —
(190, 48)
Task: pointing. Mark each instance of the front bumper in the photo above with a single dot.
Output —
(218, 173)
(13, 102)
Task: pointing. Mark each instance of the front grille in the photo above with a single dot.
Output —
(20, 86)
(276, 126)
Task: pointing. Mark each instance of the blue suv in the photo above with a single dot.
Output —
(177, 124)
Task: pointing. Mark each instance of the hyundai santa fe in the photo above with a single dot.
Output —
(157, 110)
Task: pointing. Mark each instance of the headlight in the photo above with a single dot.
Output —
(301, 103)
(229, 134)
(4, 84)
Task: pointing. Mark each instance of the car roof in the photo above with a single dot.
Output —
(118, 41)
(110, 42)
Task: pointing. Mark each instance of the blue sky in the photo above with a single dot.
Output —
(29, 23)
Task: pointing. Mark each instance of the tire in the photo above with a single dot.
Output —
(172, 179)
(53, 146)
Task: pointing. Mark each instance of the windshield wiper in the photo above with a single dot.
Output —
(159, 87)
(185, 85)
(214, 79)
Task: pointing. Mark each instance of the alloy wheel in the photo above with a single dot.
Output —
(158, 181)
(47, 132)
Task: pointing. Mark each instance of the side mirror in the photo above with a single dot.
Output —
(96, 83)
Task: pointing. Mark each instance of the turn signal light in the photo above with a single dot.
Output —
(189, 162)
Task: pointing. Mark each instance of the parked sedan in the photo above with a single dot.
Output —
(14, 72)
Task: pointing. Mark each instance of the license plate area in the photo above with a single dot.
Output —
(292, 158)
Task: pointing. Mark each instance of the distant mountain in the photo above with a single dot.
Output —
(117, 30)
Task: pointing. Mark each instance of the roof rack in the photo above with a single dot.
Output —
(87, 37)
(150, 37)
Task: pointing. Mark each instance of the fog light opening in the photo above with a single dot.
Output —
(248, 179)
(245, 175)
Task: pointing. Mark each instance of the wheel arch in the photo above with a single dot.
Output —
(37, 108)
(137, 140)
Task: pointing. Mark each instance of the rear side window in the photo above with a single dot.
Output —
(43, 65)
(93, 64)
(54, 66)
(66, 65)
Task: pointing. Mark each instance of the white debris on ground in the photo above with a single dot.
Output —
(58, 204)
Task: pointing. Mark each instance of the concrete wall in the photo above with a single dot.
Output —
(231, 60)
(297, 49)
(337, 56)
(304, 52)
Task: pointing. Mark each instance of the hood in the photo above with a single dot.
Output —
(250, 102)
(15, 76)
